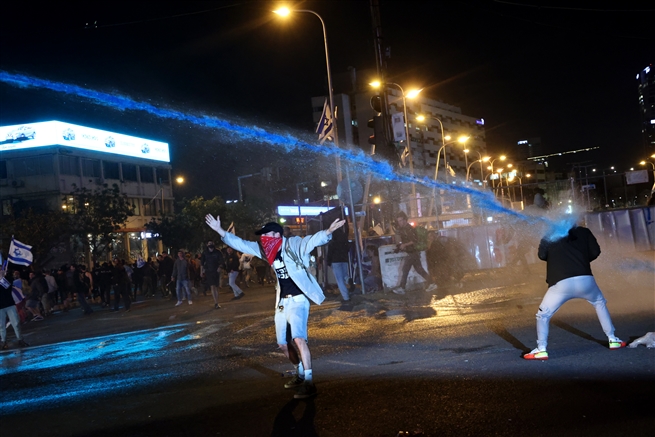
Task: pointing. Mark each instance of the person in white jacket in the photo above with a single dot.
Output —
(295, 287)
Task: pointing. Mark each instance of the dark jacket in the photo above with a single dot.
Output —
(569, 256)
(166, 267)
(6, 299)
(339, 247)
(180, 270)
(119, 276)
(211, 260)
(407, 234)
(39, 287)
(233, 262)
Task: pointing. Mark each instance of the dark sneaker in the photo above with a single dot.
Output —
(306, 390)
(22, 343)
(4, 345)
(297, 381)
(217, 306)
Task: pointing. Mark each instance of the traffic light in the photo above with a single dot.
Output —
(378, 138)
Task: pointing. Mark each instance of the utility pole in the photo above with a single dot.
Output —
(381, 69)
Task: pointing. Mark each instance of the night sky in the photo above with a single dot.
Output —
(565, 74)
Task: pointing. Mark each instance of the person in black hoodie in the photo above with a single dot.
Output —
(211, 262)
(568, 274)
(120, 281)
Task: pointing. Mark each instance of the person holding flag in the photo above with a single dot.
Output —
(9, 311)
(295, 287)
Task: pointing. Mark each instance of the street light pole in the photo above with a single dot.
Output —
(468, 168)
(284, 12)
(502, 158)
(652, 165)
(411, 94)
(239, 183)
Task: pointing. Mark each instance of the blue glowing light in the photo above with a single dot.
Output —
(361, 162)
(93, 366)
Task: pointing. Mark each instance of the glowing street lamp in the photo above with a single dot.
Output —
(179, 180)
(411, 94)
(285, 12)
(491, 167)
(481, 160)
(462, 140)
(406, 95)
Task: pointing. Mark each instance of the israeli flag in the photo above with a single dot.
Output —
(20, 253)
(325, 128)
(3, 281)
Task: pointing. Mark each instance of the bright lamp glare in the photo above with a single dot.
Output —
(413, 93)
(375, 84)
(282, 12)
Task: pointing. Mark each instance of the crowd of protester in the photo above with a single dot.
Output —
(36, 293)
(115, 285)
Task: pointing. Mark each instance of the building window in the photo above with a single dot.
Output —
(162, 176)
(129, 172)
(147, 175)
(6, 207)
(91, 168)
(68, 205)
(37, 165)
(150, 207)
(135, 204)
(69, 165)
(110, 170)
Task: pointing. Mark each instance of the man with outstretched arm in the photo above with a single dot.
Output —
(294, 288)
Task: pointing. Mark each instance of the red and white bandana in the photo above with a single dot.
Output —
(271, 247)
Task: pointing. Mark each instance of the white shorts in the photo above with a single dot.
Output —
(292, 312)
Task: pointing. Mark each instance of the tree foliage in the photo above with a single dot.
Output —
(43, 230)
(97, 215)
(187, 229)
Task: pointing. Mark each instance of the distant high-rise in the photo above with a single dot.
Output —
(528, 148)
(646, 86)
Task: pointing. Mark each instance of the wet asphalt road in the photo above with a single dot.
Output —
(447, 364)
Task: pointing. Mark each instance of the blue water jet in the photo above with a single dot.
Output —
(361, 161)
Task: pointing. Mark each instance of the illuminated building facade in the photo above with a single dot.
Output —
(42, 163)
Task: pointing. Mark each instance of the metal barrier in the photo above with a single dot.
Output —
(496, 245)
(628, 230)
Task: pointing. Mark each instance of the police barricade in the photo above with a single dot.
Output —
(391, 267)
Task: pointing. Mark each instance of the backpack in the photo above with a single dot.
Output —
(421, 239)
